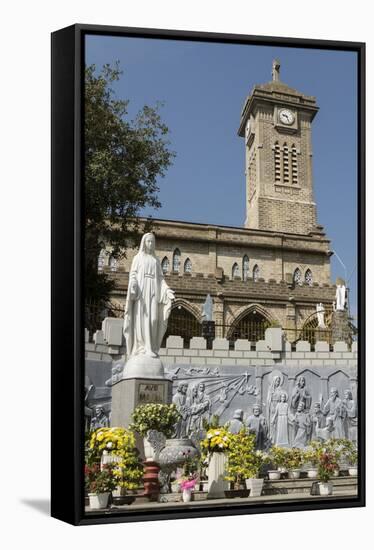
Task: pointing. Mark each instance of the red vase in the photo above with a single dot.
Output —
(150, 479)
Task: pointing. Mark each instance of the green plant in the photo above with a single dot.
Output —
(155, 416)
(327, 465)
(324, 455)
(294, 458)
(243, 461)
(278, 456)
(212, 423)
(99, 480)
(348, 451)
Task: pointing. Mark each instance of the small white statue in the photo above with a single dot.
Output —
(340, 297)
(320, 315)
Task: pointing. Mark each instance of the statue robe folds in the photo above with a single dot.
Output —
(147, 307)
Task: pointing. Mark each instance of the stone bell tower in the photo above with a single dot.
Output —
(276, 123)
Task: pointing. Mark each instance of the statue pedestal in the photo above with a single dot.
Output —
(128, 393)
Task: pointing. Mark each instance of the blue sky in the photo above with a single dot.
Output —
(203, 86)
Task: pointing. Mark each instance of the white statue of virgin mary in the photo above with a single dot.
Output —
(147, 310)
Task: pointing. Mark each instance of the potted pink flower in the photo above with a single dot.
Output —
(187, 486)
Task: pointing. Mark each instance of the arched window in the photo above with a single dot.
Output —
(245, 268)
(165, 265)
(286, 168)
(176, 260)
(113, 264)
(256, 273)
(235, 271)
(297, 279)
(188, 266)
(294, 168)
(101, 261)
(308, 277)
(277, 162)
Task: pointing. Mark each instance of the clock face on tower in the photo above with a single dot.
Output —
(286, 116)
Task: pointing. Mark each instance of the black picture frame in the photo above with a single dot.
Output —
(67, 377)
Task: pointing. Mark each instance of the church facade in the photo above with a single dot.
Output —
(275, 269)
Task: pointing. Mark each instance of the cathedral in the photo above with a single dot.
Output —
(274, 270)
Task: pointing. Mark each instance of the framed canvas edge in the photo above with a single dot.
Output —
(67, 260)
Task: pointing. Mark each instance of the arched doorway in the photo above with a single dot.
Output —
(312, 333)
(182, 323)
(250, 326)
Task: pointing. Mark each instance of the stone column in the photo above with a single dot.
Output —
(218, 316)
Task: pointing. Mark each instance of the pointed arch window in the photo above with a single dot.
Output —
(297, 279)
(235, 271)
(176, 260)
(188, 266)
(286, 167)
(113, 264)
(165, 265)
(245, 268)
(101, 261)
(256, 273)
(294, 167)
(308, 277)
(277, 162)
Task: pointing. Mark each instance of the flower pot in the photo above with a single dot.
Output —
(175, 488)
(216, 471)
(282, 470)
(312, 472)
(186, 495)
(294, 474)
(274, 474)
(255, 486)
(352, 470)
(237, 493)
(336, 473)
(98, 500)
(325, 488)
(149, 452)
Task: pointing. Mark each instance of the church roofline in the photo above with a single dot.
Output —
(245, 230)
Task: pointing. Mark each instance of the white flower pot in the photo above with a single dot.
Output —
(352, 470)
(149, 452)
(216, 472)
(255, 486)
(274, 474)
(294, 474)
(282, 469)
(312, 473)
(335, 473)
(98, 500)
(186, 495)
(325, 488)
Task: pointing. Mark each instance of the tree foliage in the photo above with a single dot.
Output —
(123, 161)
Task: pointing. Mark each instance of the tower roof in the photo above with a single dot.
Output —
(275, 91)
